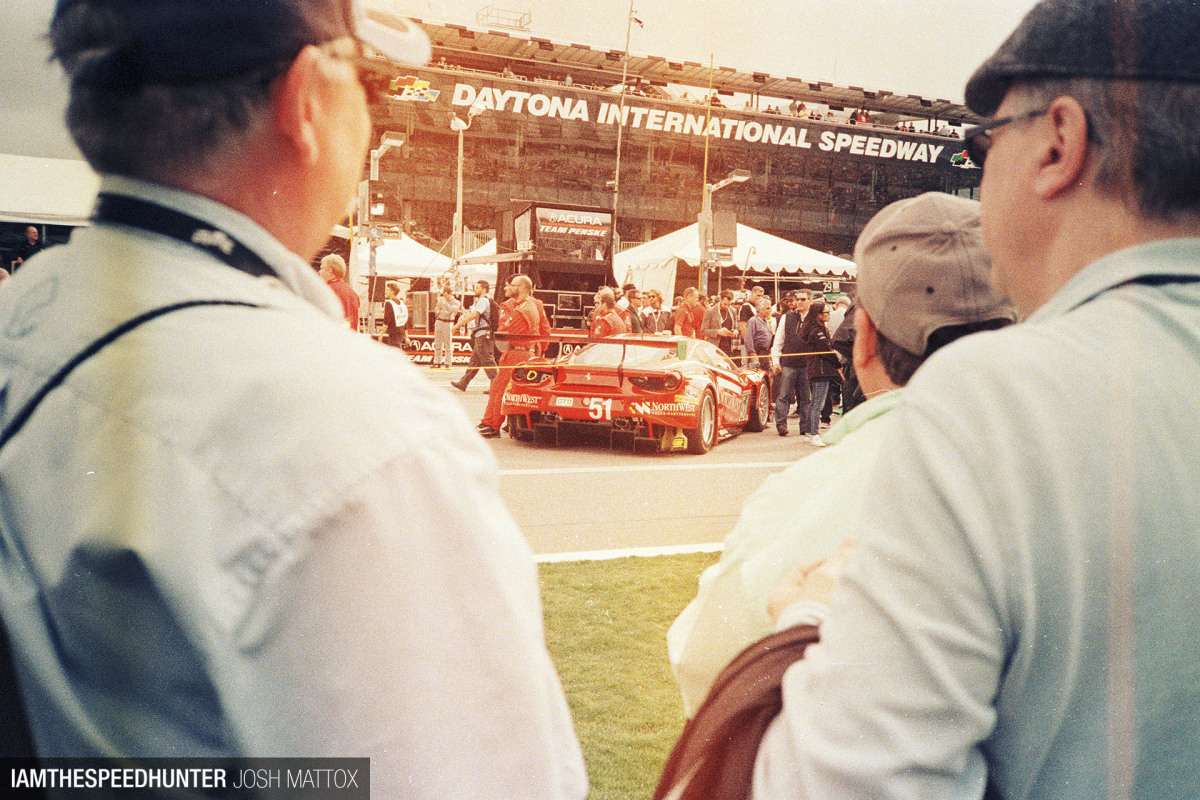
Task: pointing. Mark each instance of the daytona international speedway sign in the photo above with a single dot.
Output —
(687, 120)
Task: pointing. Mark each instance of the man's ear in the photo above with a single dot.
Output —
(866, 339)
(1064, 154)
(297, 103)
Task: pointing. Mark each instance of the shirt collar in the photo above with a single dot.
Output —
(1163, 258)
(291, 270)
(862, 414)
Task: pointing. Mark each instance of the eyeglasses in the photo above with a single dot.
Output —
(979, 139)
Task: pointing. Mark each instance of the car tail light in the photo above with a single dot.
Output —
(530, 375)
(666, 382)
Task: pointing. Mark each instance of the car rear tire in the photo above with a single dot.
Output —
(760, 412)
(701, 438)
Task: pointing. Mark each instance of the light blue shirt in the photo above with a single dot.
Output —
(251, 531)
(1024, 600)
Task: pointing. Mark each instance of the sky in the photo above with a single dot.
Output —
(923, 47)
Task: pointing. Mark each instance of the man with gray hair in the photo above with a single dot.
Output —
(748, 311)
(333, 271)
(197, 561)
(759, 335)
(1021, 610)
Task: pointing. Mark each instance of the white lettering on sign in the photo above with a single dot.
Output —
(574, 217)
(565, 106)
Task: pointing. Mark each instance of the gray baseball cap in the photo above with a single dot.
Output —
(1106, 39)
(922, 266)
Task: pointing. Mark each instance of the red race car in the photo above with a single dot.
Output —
(671, 392)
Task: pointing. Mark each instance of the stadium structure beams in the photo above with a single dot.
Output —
(536, 57)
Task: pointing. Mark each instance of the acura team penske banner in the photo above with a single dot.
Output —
(519, 98)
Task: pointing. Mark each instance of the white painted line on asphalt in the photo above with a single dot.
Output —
(604, 555)
(652, 468)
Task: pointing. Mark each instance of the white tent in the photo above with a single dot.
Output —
(653, 264)
(474, 272)
(399, 258)
(46, 191)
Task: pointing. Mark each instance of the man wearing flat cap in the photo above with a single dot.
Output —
(195, 562)
(1020, 616)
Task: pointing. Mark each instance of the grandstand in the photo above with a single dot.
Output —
(822, 159)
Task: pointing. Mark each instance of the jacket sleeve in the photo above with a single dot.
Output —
(711, 323)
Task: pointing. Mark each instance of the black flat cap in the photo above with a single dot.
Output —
(1116, 39)
(187, 41)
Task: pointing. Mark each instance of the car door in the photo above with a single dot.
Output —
(733, 399)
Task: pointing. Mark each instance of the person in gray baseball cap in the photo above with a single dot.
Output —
(931, 241)
(1019, 618)
(232, 527)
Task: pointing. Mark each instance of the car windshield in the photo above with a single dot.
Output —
(610, 353)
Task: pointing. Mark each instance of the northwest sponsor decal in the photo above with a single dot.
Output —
(520, 399)
(652, 408)
(783, 134)
(411, 87)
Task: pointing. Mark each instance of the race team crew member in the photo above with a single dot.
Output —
(524, 320)
(689, 317)
(333, 270)
(607, 321)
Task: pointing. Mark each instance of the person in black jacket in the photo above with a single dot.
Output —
(29, 246)
(823, 365)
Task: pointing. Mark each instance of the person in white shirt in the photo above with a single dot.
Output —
(233, 528)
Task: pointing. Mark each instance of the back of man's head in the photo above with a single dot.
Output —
(157, 87)
(924, 279)
(1134, 68)
(336, 265)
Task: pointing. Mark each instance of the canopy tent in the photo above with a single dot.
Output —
(475, 272)
(653, 265)
(46, 191)
(397, 258)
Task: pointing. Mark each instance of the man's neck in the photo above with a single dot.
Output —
(1104, 227)
(279, 200)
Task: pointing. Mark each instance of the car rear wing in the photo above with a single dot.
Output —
(567, 343)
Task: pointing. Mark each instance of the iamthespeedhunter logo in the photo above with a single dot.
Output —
(259, 778)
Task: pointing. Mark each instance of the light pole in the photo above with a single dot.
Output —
(616, 181)
(705, 219)
(388, 141)
(458, 125)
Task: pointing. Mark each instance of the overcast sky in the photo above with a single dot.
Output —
(925, 47)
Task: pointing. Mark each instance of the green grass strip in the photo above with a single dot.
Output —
(606, 628)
